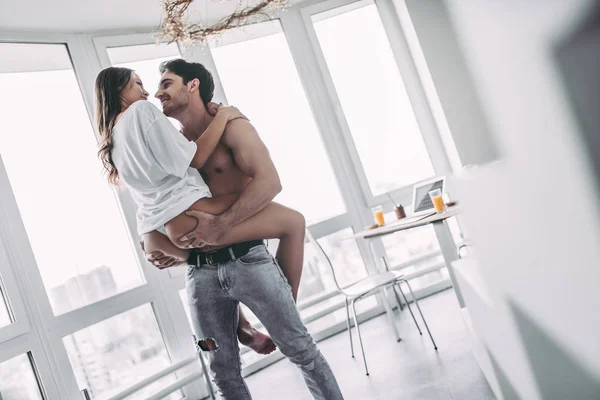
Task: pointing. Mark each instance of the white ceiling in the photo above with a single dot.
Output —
(99, 15)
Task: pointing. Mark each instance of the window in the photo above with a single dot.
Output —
(373, 97)
(345, 257)
(406, 245)
(260, 78)
(117, 353)
(18, 380)
(73, 222)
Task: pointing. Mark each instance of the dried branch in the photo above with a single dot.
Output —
(177, 29)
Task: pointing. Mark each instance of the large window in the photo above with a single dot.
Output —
(18, 380)
(73, 222)
(260, 78)
(372, 94)
(113, 355)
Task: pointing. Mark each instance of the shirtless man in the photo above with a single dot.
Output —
(218, 279)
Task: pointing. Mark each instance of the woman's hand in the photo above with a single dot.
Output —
(213, 108)
(162, 261)
(231, 113)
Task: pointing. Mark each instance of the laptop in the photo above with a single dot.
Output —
(422, 205)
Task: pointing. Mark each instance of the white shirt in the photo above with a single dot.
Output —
(153, 160)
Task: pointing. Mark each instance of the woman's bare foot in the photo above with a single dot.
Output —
(256, 340)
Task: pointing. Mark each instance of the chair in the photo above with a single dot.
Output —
(366, 287)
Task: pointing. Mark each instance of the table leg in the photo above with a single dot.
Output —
(449, 252)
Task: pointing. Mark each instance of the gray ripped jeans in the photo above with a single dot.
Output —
(255, 279)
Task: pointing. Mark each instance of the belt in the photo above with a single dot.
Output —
(198, 258)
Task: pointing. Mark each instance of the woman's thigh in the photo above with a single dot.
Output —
(183, 224)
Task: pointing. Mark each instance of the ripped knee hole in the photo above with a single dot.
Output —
(208, 344)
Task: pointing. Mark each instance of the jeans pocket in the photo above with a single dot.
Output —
(256, 255)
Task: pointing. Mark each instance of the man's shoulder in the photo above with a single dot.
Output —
(239, 131)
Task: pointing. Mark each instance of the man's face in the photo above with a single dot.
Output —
(173, 94)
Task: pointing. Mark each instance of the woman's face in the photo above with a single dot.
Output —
(133, 91)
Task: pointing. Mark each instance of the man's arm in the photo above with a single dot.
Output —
(253, 159)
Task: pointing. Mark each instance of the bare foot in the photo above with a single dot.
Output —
(256, 340)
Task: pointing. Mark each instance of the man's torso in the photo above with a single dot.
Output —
(223, 176)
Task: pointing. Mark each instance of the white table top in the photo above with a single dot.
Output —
(401, 225)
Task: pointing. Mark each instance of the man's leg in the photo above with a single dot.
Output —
(214, 317)
(257, 281)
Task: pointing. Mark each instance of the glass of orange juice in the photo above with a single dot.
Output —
(378, 214)
(437, 200)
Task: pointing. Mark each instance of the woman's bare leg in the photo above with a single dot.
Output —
(155, 241)
(276, 222)
(290, 254)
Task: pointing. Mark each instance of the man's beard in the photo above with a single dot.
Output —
(174, 107)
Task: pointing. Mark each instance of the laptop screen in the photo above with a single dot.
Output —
(422, 200)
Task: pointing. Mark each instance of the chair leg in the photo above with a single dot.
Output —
(408, 306)
(400, 307)
(398, 302)
(362, 349)
(349, 327)
(420, 312)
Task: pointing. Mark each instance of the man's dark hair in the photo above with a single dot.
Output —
(189, 71)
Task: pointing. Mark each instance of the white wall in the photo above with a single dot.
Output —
(435, 41)
(533, 217)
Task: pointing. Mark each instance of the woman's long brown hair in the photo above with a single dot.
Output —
(109, 84)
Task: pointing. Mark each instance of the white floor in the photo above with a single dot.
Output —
(410, 369)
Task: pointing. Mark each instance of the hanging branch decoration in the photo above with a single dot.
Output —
(176, 28)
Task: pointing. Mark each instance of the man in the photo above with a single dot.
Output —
(218, 279)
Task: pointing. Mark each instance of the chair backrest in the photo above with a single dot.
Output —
(323, 257)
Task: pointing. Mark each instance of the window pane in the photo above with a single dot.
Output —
(117, 353)
(430, 279)
(317, 278)
(373, 97)
(72, 218)
(18, 381)
(405, 245)
(260, 78)
(145, 60)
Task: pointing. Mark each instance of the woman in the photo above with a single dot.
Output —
(140, 148)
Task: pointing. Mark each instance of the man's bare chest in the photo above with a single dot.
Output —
(222, 171)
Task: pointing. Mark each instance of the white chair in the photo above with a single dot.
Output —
(366, 287)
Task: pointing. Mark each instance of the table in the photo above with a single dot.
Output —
(443, 235)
